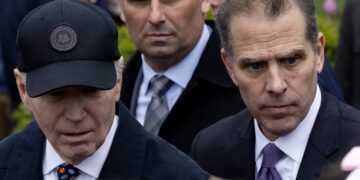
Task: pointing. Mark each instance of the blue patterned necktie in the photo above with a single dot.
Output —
(271, 155)
(157, 109)
(67, 172)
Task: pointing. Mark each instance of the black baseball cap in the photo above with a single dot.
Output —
(67, 43)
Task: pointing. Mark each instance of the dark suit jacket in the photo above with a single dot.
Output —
(348, 53)
(227, 148)
(209, 96)
(134, 154)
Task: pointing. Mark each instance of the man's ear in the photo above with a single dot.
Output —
(205, 6)
(320, 49)
(118, 89)
(122, 16)
(118, 85)
(226, 60)
(21, 85)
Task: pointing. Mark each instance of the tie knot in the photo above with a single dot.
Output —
(67, 172)
(160, 84)
(272, 155)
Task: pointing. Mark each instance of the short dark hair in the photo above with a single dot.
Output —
(269, 9)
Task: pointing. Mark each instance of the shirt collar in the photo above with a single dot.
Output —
(91, 165)
(294, 143)
(182, 72)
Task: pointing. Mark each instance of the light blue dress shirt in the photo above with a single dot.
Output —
(180, 74)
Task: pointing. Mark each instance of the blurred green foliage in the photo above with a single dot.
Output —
(329, 25)
(22, 117)
(209, 15)
(126, 44)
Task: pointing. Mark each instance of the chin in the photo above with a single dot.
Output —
(283, 131)
(80, 153)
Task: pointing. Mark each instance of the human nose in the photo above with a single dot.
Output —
(75, 109)
(276, 83)
(156, 13)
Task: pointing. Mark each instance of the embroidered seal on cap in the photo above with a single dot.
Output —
(63, 38)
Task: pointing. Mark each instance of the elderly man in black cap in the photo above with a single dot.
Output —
(69, 77)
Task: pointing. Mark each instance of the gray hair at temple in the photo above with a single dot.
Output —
(270, 9)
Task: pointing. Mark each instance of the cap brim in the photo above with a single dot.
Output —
(95, 74)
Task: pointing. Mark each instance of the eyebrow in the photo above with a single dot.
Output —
(244, 61)
(295, 52)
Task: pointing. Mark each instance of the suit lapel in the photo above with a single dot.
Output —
(323, 140)
(240, 157)
(127, 154)
(26, 159)
(210, 70)
(130, 79)
(135, 93)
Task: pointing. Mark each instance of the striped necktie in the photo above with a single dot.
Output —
(157, 109)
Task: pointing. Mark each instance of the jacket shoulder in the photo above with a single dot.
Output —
(165, 161)
(219, 148)
(7, 145)
(223, 133)
(346, 112)
(345, 118)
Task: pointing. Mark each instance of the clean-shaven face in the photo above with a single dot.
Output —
(75, 120)
(165, 31)
(275, 68)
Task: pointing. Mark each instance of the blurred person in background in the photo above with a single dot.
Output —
(348, 53)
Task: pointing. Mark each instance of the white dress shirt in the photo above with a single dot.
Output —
(180, 74)
(293, 144)
(90, 167)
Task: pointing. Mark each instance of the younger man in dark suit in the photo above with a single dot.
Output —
(69, 77)
(291, 128)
